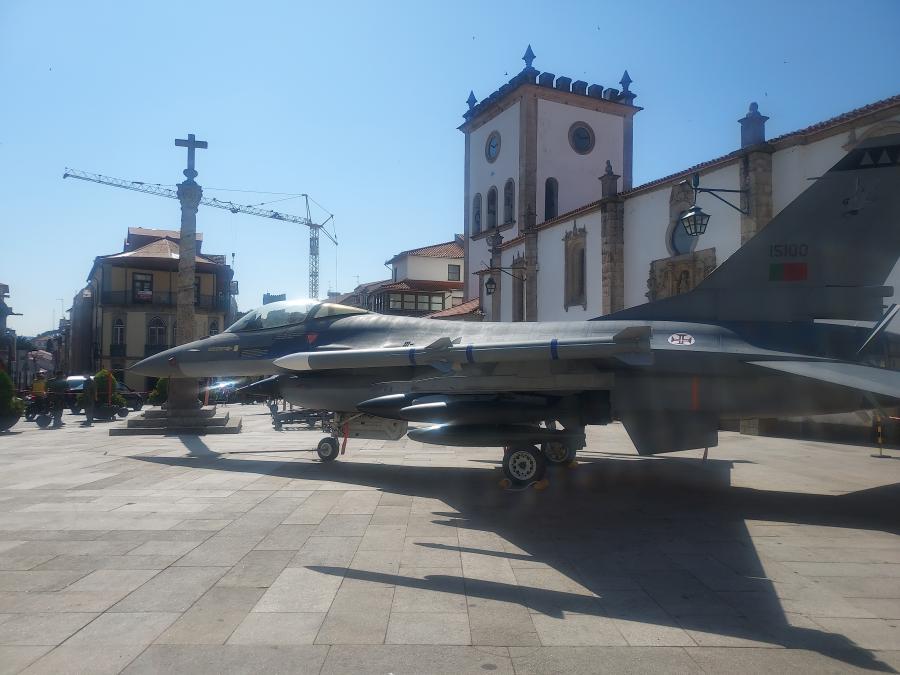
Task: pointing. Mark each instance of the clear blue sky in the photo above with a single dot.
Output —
(357, 104)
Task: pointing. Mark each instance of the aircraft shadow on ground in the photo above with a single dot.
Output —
(658, 542)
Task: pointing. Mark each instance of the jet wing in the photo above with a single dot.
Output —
(855, 376)
(444, 352)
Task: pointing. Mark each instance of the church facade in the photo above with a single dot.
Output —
(556, 231)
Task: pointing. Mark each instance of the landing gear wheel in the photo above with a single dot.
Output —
(523, 465)
(328, 449)
(557, 452)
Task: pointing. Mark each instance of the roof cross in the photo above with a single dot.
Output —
(191, 144)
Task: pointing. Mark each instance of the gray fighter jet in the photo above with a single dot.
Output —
(791, 324)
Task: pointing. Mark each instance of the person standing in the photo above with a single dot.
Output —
(56, 391)
(90, 400)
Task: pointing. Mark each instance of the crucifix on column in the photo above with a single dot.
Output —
(183, 393)
(191, 144)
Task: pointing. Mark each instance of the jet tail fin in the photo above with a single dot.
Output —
(825, 256)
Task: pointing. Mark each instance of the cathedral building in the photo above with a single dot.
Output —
(556, 230)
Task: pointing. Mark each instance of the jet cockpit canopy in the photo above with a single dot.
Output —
(289, 313)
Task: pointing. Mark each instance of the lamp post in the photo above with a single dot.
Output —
(490, 286)
(695, 220)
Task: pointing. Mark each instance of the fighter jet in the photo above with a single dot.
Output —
(791, 324)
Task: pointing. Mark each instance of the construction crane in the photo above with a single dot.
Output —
(161, 191)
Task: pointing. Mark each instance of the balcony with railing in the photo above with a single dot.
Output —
(161, 298)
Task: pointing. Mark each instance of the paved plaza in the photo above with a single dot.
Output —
(245, 554)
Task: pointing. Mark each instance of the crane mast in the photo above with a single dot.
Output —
(161, 191)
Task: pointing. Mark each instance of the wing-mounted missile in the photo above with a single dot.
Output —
(494, 435)
(624, 345)
(477, 409)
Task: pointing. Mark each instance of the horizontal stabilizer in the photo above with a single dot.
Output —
(855, 376)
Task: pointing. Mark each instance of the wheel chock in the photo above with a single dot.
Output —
(506, 483)
(542, 484)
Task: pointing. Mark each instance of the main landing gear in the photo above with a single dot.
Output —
(525, 465)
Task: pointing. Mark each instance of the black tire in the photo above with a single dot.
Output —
(328, 449)
(43, 421)
(137, 406)
(557, 452)
(524, 465)
(122, 412)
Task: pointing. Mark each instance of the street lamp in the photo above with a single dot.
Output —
(694, 220)
(490, 286)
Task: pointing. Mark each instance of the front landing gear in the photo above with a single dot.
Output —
(523, 465)
(328, 449)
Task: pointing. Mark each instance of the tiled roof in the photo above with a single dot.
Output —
(783, 140)
(150, 232)
(450, 249)
(160, 249)
(422, 285)
(469, 307)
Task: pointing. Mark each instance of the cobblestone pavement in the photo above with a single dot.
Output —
(245, 554)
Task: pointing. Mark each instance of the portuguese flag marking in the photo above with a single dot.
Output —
(793, 271)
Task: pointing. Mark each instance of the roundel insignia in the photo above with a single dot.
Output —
(681, 339)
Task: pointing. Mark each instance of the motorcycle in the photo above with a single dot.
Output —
(36, 405)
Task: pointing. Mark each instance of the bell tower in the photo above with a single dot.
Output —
(534, 149)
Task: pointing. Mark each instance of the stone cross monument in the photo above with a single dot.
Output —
(183, 392)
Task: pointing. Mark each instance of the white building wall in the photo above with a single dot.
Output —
(479, 259)
(647, 228)
(577, 174)
(434, 269)
(483, 175)
(552, 272)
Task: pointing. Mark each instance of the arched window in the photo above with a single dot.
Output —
(156, 332)
(213, 327)
(118, 332)
(476, 214)
(509, 198)
(551, 198)
(492, 208)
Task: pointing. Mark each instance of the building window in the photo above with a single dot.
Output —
(492, 208)
(142, 287)
(196, 290)
(213, 327)
(395, 301)
(156, 332)
(576, 267)
(551, 198)
(476, 214)
(509, 198)
(437, 302)
(118, 332)
(452, 272)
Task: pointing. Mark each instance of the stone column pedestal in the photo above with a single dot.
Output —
(183, 393)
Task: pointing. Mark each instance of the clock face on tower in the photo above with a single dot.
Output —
(581, 138)
(492, 146)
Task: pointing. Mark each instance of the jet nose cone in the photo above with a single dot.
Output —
(164, 364)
